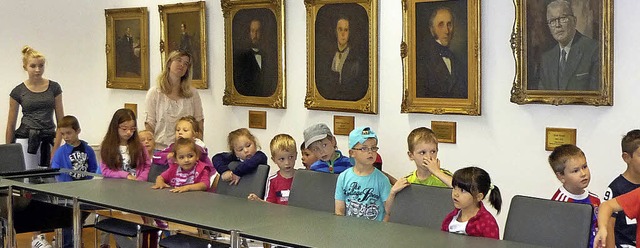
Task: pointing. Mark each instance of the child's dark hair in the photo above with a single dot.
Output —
(561, 154)
(69, 121)
(631, 142)
(184, 142)
(476, 180)
(109, 148)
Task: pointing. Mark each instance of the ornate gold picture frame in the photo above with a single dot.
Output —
(183, 26)
(441, 56)
(549, 73)
(342, 55)
(255, 52)
(127, 48)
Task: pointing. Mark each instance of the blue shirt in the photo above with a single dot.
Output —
(336, 166)
(364, 196)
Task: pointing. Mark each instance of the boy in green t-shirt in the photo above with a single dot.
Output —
(423, 150)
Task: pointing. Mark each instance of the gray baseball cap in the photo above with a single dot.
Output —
(316, 132)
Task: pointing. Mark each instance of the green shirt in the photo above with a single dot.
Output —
(432, 180)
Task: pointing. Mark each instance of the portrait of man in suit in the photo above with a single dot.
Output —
(440, 73)
(255, 69)
(127, 62)
(341, 73)
(573, 62)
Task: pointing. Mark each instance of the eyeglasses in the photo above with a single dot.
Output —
(367, 149)
(123, 128)
(560, 20)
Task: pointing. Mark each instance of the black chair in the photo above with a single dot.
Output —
(251, 183)
(313, 190)
(420, 205)
(29, 215)
(548, 223)
(126, 228)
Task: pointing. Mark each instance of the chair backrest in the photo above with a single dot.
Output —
(253, 182)
(313, 190)
(155, 171)
(548, 223)
(12, 158)
(421, 205)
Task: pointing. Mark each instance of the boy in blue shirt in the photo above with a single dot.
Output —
(362, 190)
(322, 143)
(77, 155)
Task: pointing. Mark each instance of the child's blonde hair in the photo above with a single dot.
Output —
(191, 120)
(561, 154)
(27, 53)
(421, 135)
(184, 142)
(241, 132)
(145, 131)
(282, 142)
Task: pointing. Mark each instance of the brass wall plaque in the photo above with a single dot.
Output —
(258, 119)
(445, 131)
(342, 125)
(555, 137)
(133, 107)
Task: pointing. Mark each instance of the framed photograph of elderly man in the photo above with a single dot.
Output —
(254, 45)
(127, 48)
(441, 56)
(342, 55)
(184, 28)
(563, 52)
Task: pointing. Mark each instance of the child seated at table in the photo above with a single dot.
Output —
(186, 127)
(187, 173)
(423, 151)
(470, 186)
(284, 154)
(362, 190)
(243, 147)
(76, 155)
(319, 139)
(570, 167)
(308, 158)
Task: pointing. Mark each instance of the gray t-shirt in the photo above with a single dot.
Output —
(37, 107)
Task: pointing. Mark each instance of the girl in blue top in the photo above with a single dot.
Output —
(244, 148)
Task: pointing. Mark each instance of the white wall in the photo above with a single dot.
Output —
(507, 140)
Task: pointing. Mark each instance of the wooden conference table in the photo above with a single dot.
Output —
(283, 225)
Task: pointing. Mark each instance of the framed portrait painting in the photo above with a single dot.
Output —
(563, 52)
(183, 27)
(127, 48)
(342, 55)
(441, 56)
(254, 48)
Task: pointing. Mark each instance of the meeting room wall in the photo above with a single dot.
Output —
(507, 139)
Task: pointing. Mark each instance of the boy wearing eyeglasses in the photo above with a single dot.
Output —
(363, 191)
(423, 151)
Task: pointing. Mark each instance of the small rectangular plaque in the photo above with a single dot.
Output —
(555, 137)
(445, 131)
(258, 119)
(342, 125)
(133, 107)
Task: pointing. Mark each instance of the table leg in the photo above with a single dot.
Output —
(235, 239)
(10, 232)
(77, 224)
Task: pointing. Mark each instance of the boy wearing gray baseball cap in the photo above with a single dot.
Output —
(322, 143)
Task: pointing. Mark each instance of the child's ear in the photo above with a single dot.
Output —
(350, 153)
(79, 129)
(479, 196)
(410, 154)
(560, 177)
(273, 159)
(626, 157)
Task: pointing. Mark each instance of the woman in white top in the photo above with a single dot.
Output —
(171, 99)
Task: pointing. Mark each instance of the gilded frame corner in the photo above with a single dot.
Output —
(248, 83)
(185, 16)
(321, 49)
(127, 48)
(528, 84)
(417, 50)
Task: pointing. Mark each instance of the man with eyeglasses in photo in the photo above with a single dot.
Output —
(573, 63)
